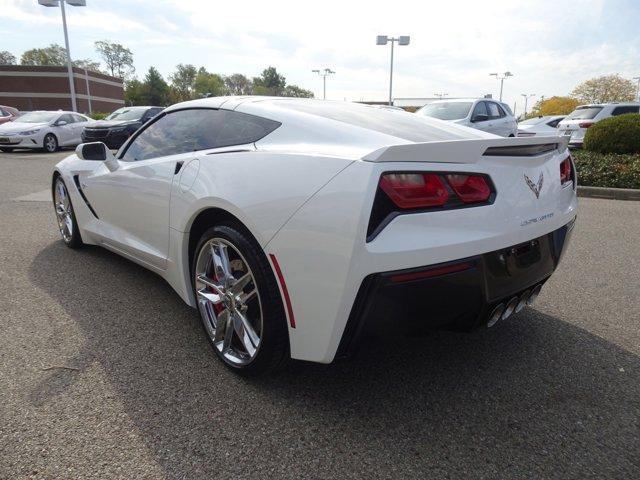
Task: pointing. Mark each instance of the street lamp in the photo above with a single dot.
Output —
(440, 95)
(501, 77)
(73, 3)
(324, 74)
(526, 99)
(382, 40)
(637, 88)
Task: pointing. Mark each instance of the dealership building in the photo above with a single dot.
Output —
(47, 88)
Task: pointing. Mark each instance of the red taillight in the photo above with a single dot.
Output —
(470, 188)
(415, 190)
(585, 124)
(565, 171)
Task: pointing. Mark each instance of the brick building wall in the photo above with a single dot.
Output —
(47, 88)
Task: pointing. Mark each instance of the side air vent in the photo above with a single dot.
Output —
(520, 150)
(76, 180)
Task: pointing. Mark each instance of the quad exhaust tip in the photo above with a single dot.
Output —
(515, 305)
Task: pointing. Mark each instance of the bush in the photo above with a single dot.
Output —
(98, 115)
(607, 170)
(619, 134)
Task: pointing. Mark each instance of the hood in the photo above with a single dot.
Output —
(112, 123)
(17, 127)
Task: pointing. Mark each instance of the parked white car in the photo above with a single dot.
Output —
(292, 224)
(484, 114)
(575, 125)
(43, 130)
(543, 125)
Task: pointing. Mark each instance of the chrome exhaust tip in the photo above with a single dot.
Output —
(534, 294)
(495, 315)
(522, 302)
(509, 309)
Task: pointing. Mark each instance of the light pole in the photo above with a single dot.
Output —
(440, 95)
(526, 99)
(637, 88)
(501, 77)
(73, 3)
(324, 74)
(382, 40)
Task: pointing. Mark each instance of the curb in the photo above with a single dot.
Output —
(610, 193)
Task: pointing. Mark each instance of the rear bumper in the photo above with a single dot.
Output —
(459, 295)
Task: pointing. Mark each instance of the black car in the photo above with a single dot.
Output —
(115, 129)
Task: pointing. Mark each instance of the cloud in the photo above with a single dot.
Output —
(550, 46)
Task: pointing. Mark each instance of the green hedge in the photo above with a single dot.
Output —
(98, 115)
(619, 134)
(607, 170)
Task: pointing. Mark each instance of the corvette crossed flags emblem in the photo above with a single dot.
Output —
(534, 188)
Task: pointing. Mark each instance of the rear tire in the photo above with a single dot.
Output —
(247, 292)
(50, 143)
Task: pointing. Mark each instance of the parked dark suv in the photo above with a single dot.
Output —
(119, 126)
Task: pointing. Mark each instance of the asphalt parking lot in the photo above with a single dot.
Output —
(105, 373)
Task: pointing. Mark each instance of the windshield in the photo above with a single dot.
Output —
(584, 113)
(446, 111)
(532, 121)
(127, 114)
(38, 117)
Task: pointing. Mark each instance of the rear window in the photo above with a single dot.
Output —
(584, 113)
(624, 109)
(532, 121)
(446, 111)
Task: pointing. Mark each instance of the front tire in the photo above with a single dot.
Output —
(239, 301)
(65, 215)
(50, 143)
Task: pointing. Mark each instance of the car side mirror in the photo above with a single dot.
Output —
(481, 117)
(60, 123)
(97, 151)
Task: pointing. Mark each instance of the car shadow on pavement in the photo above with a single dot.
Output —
(535, 397)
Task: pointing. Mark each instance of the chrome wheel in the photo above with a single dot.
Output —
(229, 301)
(50, 143)
(64, 210)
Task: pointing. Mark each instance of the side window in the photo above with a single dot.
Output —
(79, 118)
(626, 109)
(554, 123)
(501, 111)
(481, 109)
(3, 112)
(493, 110)
(66, 118)
(197, 129)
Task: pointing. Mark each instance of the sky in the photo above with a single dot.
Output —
(549, 46)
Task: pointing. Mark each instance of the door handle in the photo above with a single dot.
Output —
(178, 166)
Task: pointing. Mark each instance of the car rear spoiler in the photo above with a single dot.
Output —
(468, 151)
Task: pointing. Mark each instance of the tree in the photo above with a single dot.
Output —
(296, 91)
(117, 58)
(608, 88)
(55, 55)
(133, 92)
(154, 90)
(52, 55)
(87, 65)
(554, 106)
(209, 84)
(238, 84)
(272, 82)
(7, 58)
(183, 82)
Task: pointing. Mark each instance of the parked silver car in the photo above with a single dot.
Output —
(484, 114)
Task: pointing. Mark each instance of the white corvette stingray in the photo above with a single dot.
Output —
(294, 225)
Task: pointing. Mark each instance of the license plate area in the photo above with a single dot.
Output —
(512, 269)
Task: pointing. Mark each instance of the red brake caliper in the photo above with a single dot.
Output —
(218, 307)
